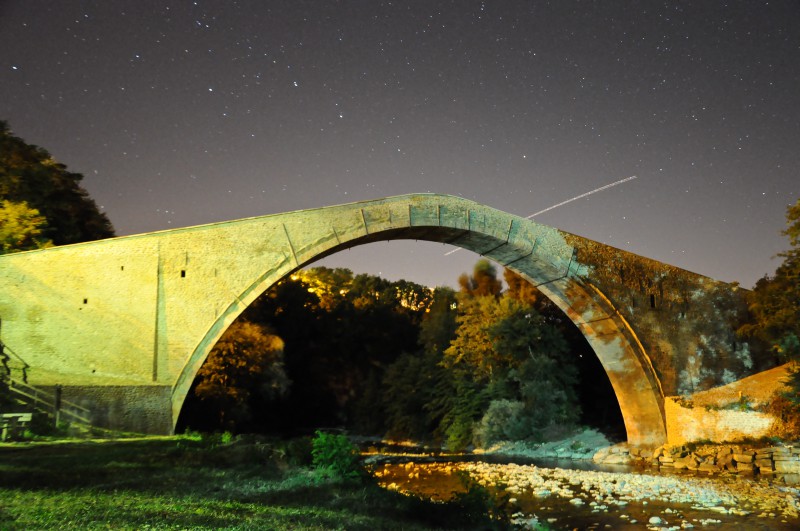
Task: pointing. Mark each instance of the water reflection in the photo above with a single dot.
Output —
(435, 475)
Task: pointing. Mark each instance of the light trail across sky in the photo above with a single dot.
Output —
(562, 203)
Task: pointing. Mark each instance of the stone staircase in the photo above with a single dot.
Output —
(22, 399)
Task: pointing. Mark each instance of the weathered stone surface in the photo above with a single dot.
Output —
(764, 465)
(789, 467)
(145, 310)
(708, 467)
(743, 457)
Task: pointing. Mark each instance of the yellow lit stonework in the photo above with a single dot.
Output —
(124, 324)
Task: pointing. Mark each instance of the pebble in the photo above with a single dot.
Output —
(604, 489)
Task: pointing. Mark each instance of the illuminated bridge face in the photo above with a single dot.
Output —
(124, 324)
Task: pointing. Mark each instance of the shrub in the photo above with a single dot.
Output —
(787, 414)
(335, 456)
(477, 502)
(505, 420)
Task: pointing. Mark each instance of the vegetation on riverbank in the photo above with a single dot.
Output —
(201, 482)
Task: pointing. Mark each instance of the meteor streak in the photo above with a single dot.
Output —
(562, 203)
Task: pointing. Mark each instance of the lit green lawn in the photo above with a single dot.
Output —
(183, 483)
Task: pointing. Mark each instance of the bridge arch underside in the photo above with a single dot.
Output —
(624, 360)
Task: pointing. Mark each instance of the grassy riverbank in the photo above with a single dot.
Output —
(196, 483)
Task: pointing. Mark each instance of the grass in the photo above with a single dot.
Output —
(197, 483)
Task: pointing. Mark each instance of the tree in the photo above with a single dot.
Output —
(483, 282)
(775, 302)
(21, 228)
(534, 393)
(438, 327)
(774, 305)
(28, 174)
(246, 362)
(471, 348)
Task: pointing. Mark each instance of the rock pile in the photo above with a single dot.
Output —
(708, 458)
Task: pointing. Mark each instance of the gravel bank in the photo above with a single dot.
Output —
(558, 497)
(604, 489)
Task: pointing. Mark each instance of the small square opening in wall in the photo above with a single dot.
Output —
(86, 301)
(183, 273)
(122, 268)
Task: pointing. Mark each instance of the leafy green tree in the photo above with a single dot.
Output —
(775, 302)
(28, 174)
(774, 305)
(438, 326)
(473, 347)
(21, 228)
(246, 361)
(483, 282)
(410, 385)
(539, 382)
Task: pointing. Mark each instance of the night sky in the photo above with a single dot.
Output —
(184, 113)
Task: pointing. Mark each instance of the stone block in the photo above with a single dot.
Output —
(765, 465)
(787, 467)
(724, 459)
(772, 450)
(617, 459)
(724, 452)
(744, 467)
(681, 463)
(743, 457)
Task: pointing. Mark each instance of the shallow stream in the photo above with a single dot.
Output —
(565, 494)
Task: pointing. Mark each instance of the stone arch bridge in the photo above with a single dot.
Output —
(124, 324)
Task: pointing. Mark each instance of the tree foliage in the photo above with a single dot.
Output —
(774, 304)
(483, 282)
(29, 175)
(21, 228)
(398, 359)
(246, 362)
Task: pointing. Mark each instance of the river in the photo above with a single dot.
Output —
(580, 494)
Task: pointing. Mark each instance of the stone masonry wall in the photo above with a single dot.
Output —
(700, 424)
(726, 413)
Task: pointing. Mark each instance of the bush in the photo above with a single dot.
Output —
(787, 413)
(335, 456)
(477, 502)
(505, 420)
(458, 435)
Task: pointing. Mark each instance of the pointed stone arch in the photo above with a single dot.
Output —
(539, 253)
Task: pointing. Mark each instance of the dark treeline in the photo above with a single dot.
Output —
(41, 202)
(326, 348)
